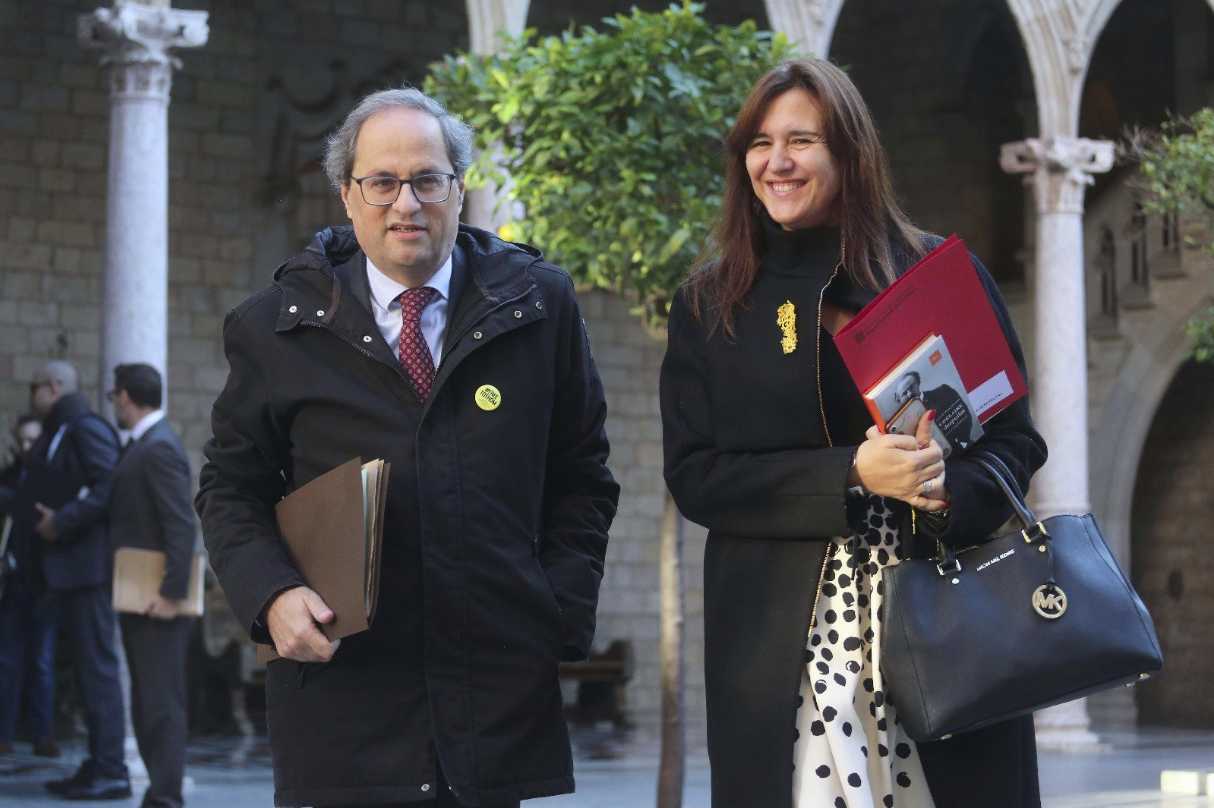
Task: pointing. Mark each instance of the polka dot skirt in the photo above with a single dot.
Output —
(850, 752)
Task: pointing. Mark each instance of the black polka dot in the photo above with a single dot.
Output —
(849, 616)
(888, 801)
(882, 557)
(862, 601)
(828, 655)
(848, 598)
(832, 636)
(830, 590)
(881, 724)
(868, 685)
(830, 615)
(878, 698)
(809, 656)
(796, 734)
(829, 713)
(800, 702)
(882, 751)
(847, 729)
(851, 644)
(844, 580)
(853, 666)
(822, 771)
(902, 750)
(840, 679)
(815, 640)
(840, 802)
(836, 564)
(820, 687)
(817, 728)
(823, 668)
(864, 751)
(904, 780)
(853, 780)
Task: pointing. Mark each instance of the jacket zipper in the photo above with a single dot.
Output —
(813, 614)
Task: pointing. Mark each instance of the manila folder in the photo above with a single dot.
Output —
(333, 529)
(138, 575)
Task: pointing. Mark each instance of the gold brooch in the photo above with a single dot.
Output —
(786, 318)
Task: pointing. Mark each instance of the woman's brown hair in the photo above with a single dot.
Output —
(871, 221)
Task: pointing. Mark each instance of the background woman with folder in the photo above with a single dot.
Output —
(768, 444)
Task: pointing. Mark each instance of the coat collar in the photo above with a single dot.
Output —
(318, 283)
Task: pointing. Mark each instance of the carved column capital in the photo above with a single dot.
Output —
(1058, 168)
(135, 39)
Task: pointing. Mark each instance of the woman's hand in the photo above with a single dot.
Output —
(898, 466)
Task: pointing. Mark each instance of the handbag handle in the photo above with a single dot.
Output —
(1031, 529)
(994, 466)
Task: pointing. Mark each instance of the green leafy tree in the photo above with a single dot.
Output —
(612, 139)
(1178, 164)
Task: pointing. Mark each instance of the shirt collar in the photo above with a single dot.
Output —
(145, 423)
(385, 291)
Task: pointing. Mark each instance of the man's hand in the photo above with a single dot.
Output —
(292, 619)
(162, 608)
(46, 525)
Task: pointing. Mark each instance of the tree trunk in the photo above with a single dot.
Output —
(671, 768)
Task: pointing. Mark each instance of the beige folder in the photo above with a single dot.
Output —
(333, 528)
(138, 575)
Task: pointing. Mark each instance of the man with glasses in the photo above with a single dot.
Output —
(463, 360)
(62, 504)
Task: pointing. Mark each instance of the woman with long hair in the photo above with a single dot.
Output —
(768, 444)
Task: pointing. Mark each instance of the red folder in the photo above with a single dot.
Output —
(942, 294)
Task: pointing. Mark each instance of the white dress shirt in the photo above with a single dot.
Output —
(145, 423)
(385, 304)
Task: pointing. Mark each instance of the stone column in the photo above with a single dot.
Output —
(1058, 169)
(487, 19)
(808, 24)
(135, 38)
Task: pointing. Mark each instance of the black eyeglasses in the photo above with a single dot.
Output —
(385, 190)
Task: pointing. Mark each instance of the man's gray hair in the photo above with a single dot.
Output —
(62, 373)
(339, 146)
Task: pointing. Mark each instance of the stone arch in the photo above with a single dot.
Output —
(1128, 412)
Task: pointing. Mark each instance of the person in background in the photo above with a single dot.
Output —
(70, 467)
(768, 444)
(150, 508)
(28, 625)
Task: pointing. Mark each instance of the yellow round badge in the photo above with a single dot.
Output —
(488, 397)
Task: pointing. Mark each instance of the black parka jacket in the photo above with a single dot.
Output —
(495, 529)
(770, 512)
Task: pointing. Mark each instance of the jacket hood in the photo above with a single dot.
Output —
(309, 281)
(334, 246)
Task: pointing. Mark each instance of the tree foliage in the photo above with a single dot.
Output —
(1178, 164)
(613, 138)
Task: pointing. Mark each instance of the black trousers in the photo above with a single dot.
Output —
(87, 618)
(155, 655)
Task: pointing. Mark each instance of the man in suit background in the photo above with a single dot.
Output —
(62, 501)
(150, 508)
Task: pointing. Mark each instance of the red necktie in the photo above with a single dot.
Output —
(412, 349)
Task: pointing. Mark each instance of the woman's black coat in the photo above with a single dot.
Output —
(770, 512)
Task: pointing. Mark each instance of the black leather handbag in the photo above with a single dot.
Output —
(1022, 622)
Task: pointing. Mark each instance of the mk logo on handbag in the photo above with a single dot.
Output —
(1049, 601)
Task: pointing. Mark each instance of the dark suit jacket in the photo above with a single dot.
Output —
(75, 481)
(151, 504)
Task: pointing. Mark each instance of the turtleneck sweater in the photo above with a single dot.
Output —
(795, 267)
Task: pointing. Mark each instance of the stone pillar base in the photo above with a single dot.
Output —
(1066, 728)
